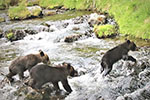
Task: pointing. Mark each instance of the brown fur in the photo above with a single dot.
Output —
(41, 74)
(23, 63)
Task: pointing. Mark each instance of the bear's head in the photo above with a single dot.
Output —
(131, 45)
(44, 57)
(71, 70)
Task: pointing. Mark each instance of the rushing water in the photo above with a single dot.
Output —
(124, 82)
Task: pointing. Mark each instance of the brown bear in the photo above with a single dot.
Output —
(115, 54)
(41, 74)
(22, 63)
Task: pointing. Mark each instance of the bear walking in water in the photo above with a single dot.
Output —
(115, 54)
(21, 64)
(41, 74)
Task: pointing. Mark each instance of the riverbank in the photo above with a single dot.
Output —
(84, 53)
(132, 17)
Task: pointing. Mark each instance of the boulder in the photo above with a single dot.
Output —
(23, 12)
(47, 12)
(15, 35)
(72, 38)
(105, 31)
(96, 19)
(2, 19)
(35, 11)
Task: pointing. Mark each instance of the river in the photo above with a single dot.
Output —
(125, 82)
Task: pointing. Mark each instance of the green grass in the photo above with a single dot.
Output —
(133, 16)
(50, 3)
(104, 30)
(18, 12)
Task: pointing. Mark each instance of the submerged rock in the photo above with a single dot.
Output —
(72, 38)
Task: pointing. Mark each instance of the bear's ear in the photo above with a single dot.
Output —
(41, 53)
(128, 41)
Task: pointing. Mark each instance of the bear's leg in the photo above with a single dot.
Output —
(103, 66)
(66, 86)
(107, 70)
(38, 85)
(56, 85)
(31, 83)
(131, 58)
(10, 75)
(101, 69)
(21, 75)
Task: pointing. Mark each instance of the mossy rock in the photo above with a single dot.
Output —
(18, 12)
(14, 35)
(2, 19)
(35, 11)
(10, 36)
(105, 31)
(23, 12)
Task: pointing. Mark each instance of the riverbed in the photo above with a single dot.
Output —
(125, 82)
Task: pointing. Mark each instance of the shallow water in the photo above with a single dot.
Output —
(85, 55)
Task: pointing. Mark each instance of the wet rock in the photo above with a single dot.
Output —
(15, 35)
(29, 31)
(1, 35)
(2, 19)
(65, 25)
(140, 94)
(96, 19)
(35, 11)
(79, 20)
(72, 38)
(75, 28)
(47, 12)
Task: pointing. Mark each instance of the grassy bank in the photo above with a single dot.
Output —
(132, 16)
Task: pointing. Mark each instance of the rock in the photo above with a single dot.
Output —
(96, 19)
(35, 11)
(140, 94)
(105, 31)
(49, 12)
(15, 35)
(28, 31)
(1, 35)
(72, 38)
(2, 19)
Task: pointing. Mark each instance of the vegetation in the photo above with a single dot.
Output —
(10, 36)
(50, 3)
(2, 19)
(19, 12)
(132, 16)
(103, 31)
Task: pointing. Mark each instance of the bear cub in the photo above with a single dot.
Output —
(115, 54)
(41, 74)
(23, 63)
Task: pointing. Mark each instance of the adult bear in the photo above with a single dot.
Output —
(22, 63)
(115, 54)
(41, 74)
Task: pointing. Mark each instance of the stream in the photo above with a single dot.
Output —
(125, 82)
